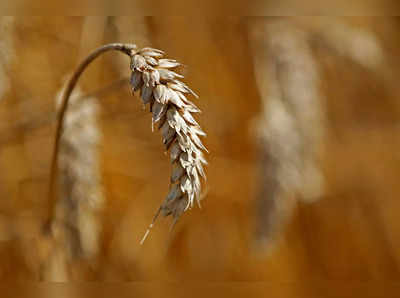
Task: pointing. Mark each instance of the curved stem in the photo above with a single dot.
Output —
(125, 48)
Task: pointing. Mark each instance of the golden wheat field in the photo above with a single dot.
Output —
(302, 116)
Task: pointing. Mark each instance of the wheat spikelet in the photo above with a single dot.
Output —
(129, 29)
(161, 88)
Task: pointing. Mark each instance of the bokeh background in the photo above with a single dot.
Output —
(346, 229)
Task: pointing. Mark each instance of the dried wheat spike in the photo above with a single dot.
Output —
(161, 88)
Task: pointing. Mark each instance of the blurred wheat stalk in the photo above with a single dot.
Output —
(291, 126)
(80, 196)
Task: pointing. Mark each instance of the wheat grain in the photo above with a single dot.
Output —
(166, 95)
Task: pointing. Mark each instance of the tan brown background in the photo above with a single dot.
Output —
(351, 234)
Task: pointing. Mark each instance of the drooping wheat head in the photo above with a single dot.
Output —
(160, 88)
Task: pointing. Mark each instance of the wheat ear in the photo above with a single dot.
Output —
(160, 88)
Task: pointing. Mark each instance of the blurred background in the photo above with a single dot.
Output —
(302, 121)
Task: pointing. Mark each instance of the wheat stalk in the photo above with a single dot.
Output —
(290, 128)
(80, 193)
(161, 88)
(75, 229)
